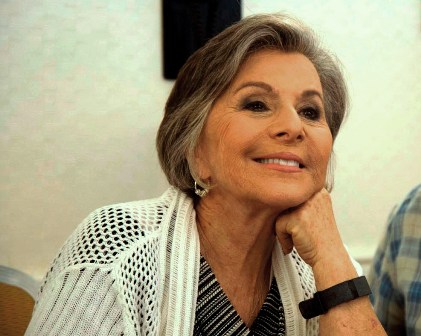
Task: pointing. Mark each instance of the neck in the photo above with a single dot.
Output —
(235, 235)
(237, 242)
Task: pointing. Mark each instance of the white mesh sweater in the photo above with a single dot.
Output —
(133, 269)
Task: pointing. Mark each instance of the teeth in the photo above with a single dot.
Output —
(280, 162)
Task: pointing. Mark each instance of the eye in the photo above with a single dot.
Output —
(256, 106)
(310, 113)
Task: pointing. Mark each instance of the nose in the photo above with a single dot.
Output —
(287, 126)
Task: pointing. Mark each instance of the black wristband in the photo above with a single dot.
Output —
(333, 296)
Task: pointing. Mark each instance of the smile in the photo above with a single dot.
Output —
(281, 162)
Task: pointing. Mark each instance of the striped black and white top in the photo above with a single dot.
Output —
(215, 314)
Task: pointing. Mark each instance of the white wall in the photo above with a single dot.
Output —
(82, 96)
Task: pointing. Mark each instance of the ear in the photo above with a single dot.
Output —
(330, 172)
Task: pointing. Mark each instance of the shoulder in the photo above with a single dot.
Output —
(402, 239)
(405, 218)
(112, 258)
(108, 233)
(412, 202)
(391, 279)
(112, 229)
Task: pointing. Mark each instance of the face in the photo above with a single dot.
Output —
(266, 140)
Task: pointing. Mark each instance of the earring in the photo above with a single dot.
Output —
(198, 190)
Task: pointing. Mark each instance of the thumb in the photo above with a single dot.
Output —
(284, 238)
(286, 242)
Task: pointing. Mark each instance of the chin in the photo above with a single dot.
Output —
(290, 197)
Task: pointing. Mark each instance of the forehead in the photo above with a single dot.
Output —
(279, 69)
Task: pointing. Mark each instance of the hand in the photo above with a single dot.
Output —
(311, 229)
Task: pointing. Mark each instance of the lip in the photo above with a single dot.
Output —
(282, 156)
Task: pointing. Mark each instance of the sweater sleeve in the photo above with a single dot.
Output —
(104, 280)
(80, 301)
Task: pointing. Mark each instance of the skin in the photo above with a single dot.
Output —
(272, 109)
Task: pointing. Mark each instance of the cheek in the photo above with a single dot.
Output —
(322, 148)
(234, 136)
(228, 144)
(326, 150)
(213, 148)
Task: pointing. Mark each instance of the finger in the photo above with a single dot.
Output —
(286, 242)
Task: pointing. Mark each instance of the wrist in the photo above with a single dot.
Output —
(332, 270)
(334, 296)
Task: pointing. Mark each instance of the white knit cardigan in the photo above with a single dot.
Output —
(133, 269)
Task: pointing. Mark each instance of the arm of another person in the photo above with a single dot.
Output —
(312, 230)
(395, 276)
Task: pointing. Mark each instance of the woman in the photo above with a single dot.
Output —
(246, 232)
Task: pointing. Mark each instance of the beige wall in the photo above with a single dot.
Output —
(82, 95)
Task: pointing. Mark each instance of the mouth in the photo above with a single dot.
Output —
(281, 162)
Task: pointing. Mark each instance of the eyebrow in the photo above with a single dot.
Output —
(311, 93)
(268, 88)
(261, 85)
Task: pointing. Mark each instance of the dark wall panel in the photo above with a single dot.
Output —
(188, 24)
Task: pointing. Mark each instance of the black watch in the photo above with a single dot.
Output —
(333, 296)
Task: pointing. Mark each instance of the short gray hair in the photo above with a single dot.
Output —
(212, 68)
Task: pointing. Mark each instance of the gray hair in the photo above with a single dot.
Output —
(212, 68)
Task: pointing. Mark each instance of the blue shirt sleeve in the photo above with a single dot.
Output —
(395, 277)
